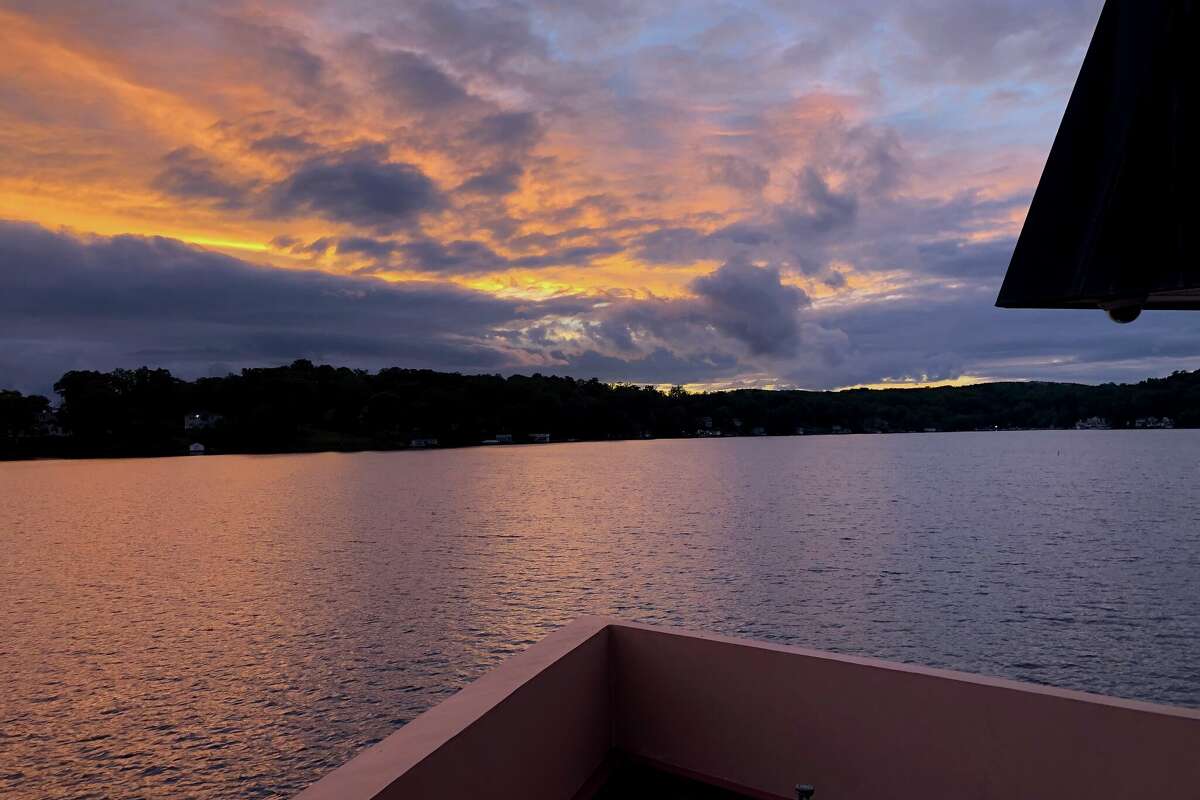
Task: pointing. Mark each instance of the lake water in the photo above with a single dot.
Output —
(236, 626)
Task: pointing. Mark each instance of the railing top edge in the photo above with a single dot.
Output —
(915, 669)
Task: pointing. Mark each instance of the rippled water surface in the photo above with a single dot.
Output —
(235, 626)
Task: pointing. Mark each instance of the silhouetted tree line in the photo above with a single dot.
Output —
(303, 407)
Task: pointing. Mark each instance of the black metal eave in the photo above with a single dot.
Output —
(1107, 222)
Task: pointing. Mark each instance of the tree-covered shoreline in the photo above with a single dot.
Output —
(304, 407)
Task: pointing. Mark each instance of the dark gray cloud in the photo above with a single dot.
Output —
(365, 245)
(803, 230)
(415, 82)
(284, 59)
(604, 204)
(518, 130)
(99, 303)
(872, 157)
(738, 172)
(430, 255)
(796, 231)
(679, 245)
(437, 99)
(816, 208)
(675, 245)
(817, 236)
(965, 259)
(470, 257)
(455, 257)
(499, 180)
(490, 39)
(568, 256)
(941, 335)
(105, 302)
(51, 277)
(753, 306)
(358, 187)
(189, 174)
(286, 52)
(950, 332)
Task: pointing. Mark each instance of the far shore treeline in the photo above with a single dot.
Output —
(303, 407)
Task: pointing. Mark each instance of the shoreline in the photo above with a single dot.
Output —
(94, 456)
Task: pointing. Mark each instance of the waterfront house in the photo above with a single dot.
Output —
(200, 420)
(423, 441)
(539, 438)
(1092, 424)
(47, 424)
(195, 449)
(504, 438)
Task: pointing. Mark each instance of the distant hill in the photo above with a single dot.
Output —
(303, 407)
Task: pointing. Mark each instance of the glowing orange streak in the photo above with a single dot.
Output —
(167, 112)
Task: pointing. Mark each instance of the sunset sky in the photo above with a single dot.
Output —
(773, 193)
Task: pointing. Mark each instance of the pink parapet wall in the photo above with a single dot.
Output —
(767, 717)
(536, 726)
(761, 718)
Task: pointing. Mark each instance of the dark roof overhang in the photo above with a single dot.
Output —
(1112, 223)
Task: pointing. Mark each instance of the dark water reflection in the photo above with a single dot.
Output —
(235, 626)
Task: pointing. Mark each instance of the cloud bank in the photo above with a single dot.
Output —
(801, 194)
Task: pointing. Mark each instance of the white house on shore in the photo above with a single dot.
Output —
(200, 420)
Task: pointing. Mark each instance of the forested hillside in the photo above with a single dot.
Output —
(307, 407)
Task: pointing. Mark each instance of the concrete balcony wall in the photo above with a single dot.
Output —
(761, 718)
(537, 726)
(765, 718)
